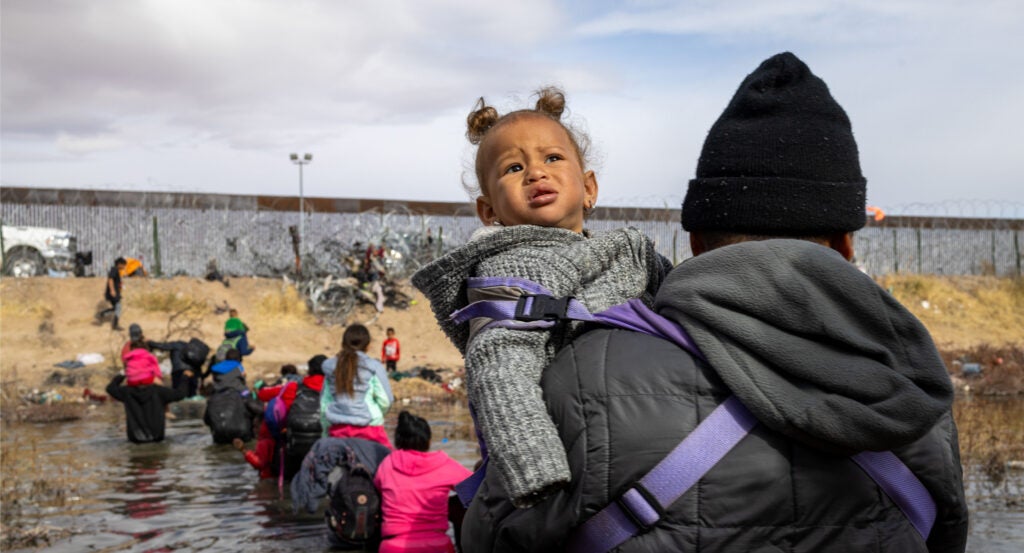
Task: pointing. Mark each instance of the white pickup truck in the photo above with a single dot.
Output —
(31, 251)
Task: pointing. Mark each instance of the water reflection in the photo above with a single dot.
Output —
(94, 491)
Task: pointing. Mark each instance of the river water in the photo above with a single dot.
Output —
(80, 486)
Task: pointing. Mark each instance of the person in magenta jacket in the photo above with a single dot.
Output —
(140, 366)
(414, 484)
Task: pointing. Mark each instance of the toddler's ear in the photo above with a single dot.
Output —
(590, 188)
(485, 211)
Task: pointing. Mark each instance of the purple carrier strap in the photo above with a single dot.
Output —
(642, 505)
(467, 488)
(903, 488)
(634, 315)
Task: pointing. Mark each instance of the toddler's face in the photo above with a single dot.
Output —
(532, 175)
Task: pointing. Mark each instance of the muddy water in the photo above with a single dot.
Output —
(81, 486)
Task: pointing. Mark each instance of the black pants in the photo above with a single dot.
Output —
(392, 366)
(189, 384)
(115, 307)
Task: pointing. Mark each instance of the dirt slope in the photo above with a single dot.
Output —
(47, 320)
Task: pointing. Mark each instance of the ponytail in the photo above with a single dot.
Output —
(355, 339)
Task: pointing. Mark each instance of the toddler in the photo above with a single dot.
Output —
(390, 351)
(535, 191)
(140, 366)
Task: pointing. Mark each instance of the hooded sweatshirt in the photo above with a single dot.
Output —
(812, 346)
(143, 408)
(228, 374)
(414, 488)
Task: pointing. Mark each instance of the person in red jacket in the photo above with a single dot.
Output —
(390, 352)
(262, 457)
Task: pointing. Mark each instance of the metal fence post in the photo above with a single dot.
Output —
(157, 269)
(995, 272)
(918, 231)
(675, 246)
(895, 254)
(1016, 249)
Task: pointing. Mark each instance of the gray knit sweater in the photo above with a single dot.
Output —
(504, 366)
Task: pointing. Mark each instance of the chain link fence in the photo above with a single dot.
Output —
(180, 233)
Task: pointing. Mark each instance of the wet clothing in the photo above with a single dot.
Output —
(180, 363)
(310, 483)
(231, 414)
(504, 365)
(267, 453)
(371, 397)
(140, 367)
(228, 374)
(371, 433)
(414, 487)
(143, 408)
(267, 393)
(828, 362)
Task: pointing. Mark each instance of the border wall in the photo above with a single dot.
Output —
(179, 233)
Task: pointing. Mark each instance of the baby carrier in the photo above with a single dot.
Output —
(530, 305)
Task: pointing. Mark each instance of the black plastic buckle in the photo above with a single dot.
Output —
(542, 308)
(649, 499)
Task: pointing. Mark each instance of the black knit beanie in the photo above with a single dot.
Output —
(780, 160)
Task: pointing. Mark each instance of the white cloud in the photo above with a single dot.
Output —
(212, 95)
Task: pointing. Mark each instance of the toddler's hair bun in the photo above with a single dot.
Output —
(551, 102)
(479, 121)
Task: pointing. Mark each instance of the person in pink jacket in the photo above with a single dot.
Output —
(140, 366)
(414, 484)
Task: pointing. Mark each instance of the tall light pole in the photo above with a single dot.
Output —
(306, 158)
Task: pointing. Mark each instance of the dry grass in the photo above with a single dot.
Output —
(991, 437)
(286, 302)
(418, 389)
(25, 307)
(168, 302)
(964, 312)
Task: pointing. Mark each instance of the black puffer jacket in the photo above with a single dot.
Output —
(829, 363)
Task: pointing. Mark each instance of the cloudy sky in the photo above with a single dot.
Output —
(212, 95)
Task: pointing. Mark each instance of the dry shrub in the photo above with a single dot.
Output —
(24, 307)
(1002, 368)
(52, 412)
(991, 435)
(284, 303)
(168, 302)
(964, 311)
(418, 389)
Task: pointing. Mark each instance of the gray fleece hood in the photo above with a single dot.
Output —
(813, 347)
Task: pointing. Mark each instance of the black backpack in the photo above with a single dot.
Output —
(353, 514)
(228, 417)
(303, 427)
(195, 352)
